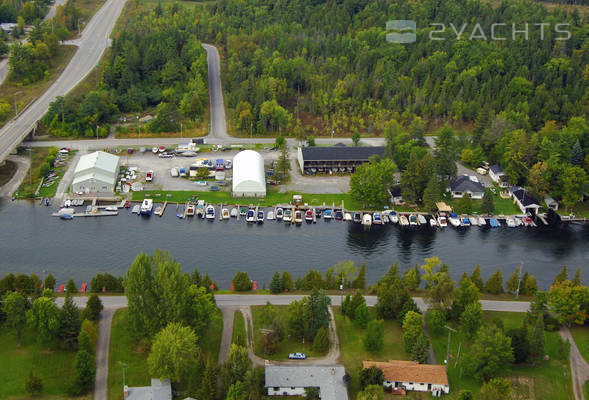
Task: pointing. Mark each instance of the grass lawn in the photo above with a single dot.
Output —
(502, 206)
(587, 390)
(272, 198)
(31, 182)
(54, 367)
(352, 347)
(25, 94)
(581, 336)
(238, 327)
(286, 346)
(210, 343)
(547, 380)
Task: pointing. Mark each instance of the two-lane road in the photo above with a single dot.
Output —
(94, 40)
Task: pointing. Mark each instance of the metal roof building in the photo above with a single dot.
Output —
(96, 172)
(291, 380)
(159, 390)
(249, 179)
(340, 157)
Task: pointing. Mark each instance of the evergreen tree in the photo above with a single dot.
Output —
(488, 206)
(321, 341)
(208, 384)
(49, 282)
(562, 276)
(374, 337)
(476, 278)
(360, 281)
(577, 280)
(420, 349)
(85, 371)
(464, 204)
(371, 376)
(287, 282)
(70, 323)
(356, 301)
(412, 279)
(513, 283)
(536, 339)
(345, 308)
(93, 308)
(495, 283)
(577, 156)
(361, 316)
(276, 284)
(530, 285)
(71, 287)
(432, 193)
(84, 342)
(242, 282)
(471, 319)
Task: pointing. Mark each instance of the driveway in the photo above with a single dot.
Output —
(579, 367)
(22, 165)
(102, 351)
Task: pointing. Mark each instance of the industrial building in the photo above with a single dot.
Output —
(96, 173)
(338, 158)
(249, 179)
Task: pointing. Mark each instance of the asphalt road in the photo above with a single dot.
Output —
(102, 352)
(218, 123)
(579, 367)
(92, 44)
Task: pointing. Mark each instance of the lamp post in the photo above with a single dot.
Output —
(450, 330)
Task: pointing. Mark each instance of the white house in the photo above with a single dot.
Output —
(96, 173)
(159, 390)
(292, 380)
(410, 375)
(524, 200)
(496, 172)
(466, 184)
(249, 179)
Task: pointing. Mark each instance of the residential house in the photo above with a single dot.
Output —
(466, 184)
(292, 380)
(159, 390)
(496, 173)
(338, 158)
(524, 200)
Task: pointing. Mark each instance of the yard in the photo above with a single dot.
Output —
(54, 367)
(581, 336)
(502, 206)
(547, 380)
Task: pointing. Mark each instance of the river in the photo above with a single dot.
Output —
(31, 240)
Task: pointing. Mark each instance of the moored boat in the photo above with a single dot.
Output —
(243, 211)
(210, 212)
(454, 220)
(338, 215)
(135, 210)
(494, 223)
(367, 219)
(225, 213)
(442, 222)
(347, 217)
(482, 221)
(412, 220)
(393, 217)
(377, 218)
(287, 217)
(190, 209)
(474, 221)
(421, 219)
(298, 216)
(510, 222)
(433, 223)
(260, 216)
(309, 215)
(328, 214)
(234, 212)
(250, 216)
(403, 221)
(146, 207)
(279, 213)
(357, 218)
(270, 216)
(466, 221)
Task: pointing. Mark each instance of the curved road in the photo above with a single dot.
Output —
(92, 44)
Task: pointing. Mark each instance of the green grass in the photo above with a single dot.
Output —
(352, 348)
(502, 206)
(238, 327)
(286, 346)
(54, 367)
(587, 390)
(580, 210)
(32, 179)
(272, 198)
(581, 336)
(210, 343)
(546, 380)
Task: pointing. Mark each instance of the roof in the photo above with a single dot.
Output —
(159, 390)
(328, 378)
(410, 371)
(464, 183)
(525, 198)
(396, 191)
(97, 175)
(443, 207)
(343, 153)
(98, 160)
(248, 172)
(496, 169)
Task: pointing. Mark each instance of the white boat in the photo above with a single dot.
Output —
(234, 212)
(454, 220)
(421, 219)
(412, 220)
(190, 210)
(287, 217)
(385, 219)
(433, 223)
(250, 216)
(298, 217)
(154, 150)
(393, 217)
(442, 222)
(510, 222)
(67, 203)
(225, 214)
(403, 221)
(210, 212)
(377, 218)
(174, 172)
(111, 208)
(367, 219)
(279, 213)
(260, 216)
(200, 208)
(482, 221)
(146, 207)
(347, 217)
(89, 209)
(149, 176)
(135, 209)
(270, 216)
(474, 221)
(328, 214)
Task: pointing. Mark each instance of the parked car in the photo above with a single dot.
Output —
(297, 356)
(214, 188)
(228, 164)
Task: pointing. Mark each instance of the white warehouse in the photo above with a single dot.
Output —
(248, 175)
(96, 173)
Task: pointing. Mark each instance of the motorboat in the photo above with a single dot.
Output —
(494, 223)
(385, 219)
(162, 149)
(466, 221)
(67, 203)
(234, 212)
(182, 172)
(260, 216)
(309, 215)
(328, 214)
(279, 213)
(318, 212)
(270, 216)
(111, 208)
(367, 219)
(403, 221)
(510, 222)
(200, 208)
(89, 209)
(421, 219)
(339, 215)
(433, 223)
(518, 221)
(442, 222)
(412, 220)
(298, 217)
(225, 214)
(154, 150)
(243, 212)
(528, 221)
(190, 210)
(377, 218)
(250, 216)
(393, 217)
(66, 216)
(149, 176)
(454, 220)
(474, 221)
(287, 217)
(174, 172)
(210, 212)
(146, 207)
(127, 204)
(482, 221)
(357, 218)
(135, 210)
(347, 217)
(158, 210)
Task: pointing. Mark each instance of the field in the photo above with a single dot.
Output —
(286, 346)
(352, 348)
(581, 336)
(54, 367)
(547, 380)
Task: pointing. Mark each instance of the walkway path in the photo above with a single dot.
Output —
(22, 165)
(579, 367)
(102, 351)
(68, 177)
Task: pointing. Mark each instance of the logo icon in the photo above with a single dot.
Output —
(401, 25)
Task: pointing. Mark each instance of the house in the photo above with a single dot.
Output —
(466, 184)
(159, 390)
(410, 375)
(338, 158)
(96, 173)
(551, 203)
(524, 200)
(496, 172)
(292, 380)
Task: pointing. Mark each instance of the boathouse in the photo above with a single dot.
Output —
(96, 173)
(410, 375)
(248, 175)
(292, 380)
(524, 200)
(466, 184)
(338, 158)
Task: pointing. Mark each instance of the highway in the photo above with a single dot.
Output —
(92, 44)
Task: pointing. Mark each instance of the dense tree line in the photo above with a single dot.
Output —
(29, 11)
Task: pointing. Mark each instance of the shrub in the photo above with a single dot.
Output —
(321, 341)
(33, 385)
(242, 282)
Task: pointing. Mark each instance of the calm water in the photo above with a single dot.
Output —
(31, 240)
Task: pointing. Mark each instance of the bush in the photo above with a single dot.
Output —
(33, 385)
(242, 282)
(93, 308)
(321, 340)
(374, 339)
(371, 376)
(276, 284)
(71, 287)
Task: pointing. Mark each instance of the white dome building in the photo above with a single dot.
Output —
(249, 179)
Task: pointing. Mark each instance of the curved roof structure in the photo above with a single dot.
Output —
(248, 175)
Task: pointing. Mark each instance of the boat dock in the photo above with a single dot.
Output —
(96, 214)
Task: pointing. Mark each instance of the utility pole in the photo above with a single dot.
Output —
(341, 288)
(521, 265)
(447, 361)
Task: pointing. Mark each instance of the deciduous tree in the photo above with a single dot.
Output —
(173, 352)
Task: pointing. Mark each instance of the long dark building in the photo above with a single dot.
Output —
(338, 158)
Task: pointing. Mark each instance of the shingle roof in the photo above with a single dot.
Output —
(524, 197)
(159, 390)
(496, 169)
(328, 378)
(463, 183)
(344, 153)
(410, 371)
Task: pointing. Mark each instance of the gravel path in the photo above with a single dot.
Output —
(227, 337)
(579, 367)
(102, 350)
